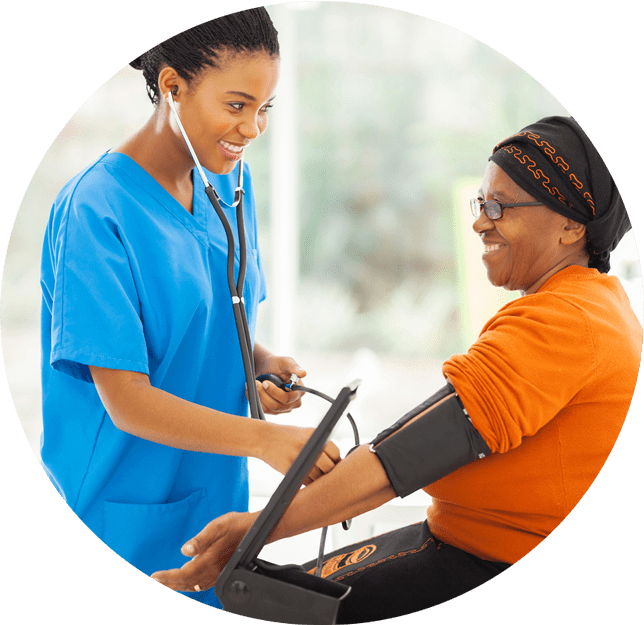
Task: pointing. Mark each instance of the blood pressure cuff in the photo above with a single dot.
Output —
(432, 446)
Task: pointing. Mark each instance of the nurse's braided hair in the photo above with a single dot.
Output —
(196, 48)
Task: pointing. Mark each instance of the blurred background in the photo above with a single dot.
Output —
(379, 136)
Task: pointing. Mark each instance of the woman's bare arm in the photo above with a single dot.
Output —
(357, 484)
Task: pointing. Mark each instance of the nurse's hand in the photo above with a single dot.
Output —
(210, 551)
(283, 443)
(275, 400)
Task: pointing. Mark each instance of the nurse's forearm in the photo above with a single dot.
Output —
(140, 409)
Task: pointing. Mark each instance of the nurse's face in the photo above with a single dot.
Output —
(528, 244)
(223, 109)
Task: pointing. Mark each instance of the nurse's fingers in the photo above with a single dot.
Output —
(312, 475)
(271, 404)
(280, 395)
(332, 451)
(325, 463)
(288, 366)
(275, 392)
(212, 547)
(275, 400)
(191, 577)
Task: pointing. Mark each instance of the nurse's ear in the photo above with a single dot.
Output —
(169, 80)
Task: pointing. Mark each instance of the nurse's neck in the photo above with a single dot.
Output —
(157, 149)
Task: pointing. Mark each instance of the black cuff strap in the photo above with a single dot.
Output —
(431, 447)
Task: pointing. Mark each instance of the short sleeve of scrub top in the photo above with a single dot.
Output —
(132, 281)
(96, 309)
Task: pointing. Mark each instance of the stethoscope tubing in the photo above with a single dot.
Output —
(236, 289)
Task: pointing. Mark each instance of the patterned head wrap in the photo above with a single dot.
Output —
(554, 161)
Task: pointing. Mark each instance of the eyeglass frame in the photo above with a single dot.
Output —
(477, 207)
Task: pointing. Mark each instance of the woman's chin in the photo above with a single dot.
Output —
(493, 277)
(221, 169)
(220, 165)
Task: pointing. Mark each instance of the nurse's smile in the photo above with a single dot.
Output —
(233, 152)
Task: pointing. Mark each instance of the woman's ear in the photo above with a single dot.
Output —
(572, 232)
(169, 80)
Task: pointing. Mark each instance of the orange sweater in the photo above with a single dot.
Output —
(548, 384)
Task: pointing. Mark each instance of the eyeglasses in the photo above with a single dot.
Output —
(494, 210)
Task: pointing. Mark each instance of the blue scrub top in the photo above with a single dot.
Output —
(132, 281)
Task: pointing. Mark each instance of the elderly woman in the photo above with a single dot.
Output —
(528, 416)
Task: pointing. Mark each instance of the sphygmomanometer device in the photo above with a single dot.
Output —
(284, 594)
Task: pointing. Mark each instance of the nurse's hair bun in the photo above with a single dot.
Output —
(137, 63)
(195, 49)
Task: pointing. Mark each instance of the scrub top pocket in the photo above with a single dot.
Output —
(150, 536)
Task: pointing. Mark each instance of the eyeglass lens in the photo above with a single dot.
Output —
(492, 209)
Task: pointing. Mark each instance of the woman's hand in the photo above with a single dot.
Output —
(210, 551)
(283, 444)
(275, 400)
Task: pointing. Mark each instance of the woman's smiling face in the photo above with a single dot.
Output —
(226, 108)
(529, 244)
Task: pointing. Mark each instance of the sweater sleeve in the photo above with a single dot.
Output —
(528, 363)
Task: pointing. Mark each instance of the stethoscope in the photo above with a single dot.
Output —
(236, 288)
(236, 292)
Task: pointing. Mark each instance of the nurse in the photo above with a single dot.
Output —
(142, 377)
